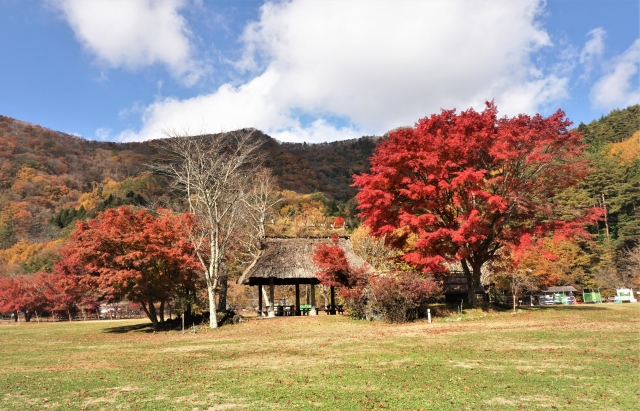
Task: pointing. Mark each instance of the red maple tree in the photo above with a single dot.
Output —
(457, 188)
(28, 294)
(133, 255)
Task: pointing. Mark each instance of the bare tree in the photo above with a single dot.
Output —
(520, 280)
(517, 280)
(211, 172)
(259, 201)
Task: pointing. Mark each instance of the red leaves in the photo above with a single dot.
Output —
(26, 294)
(131, 254)
(467, 184)
(394, 295)
(335, 270)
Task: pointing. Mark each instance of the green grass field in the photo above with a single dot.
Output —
(575, 358)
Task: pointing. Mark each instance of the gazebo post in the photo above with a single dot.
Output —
(313, 310)
(332, 309)
(297, 311)
(260, 313)
(271, 297)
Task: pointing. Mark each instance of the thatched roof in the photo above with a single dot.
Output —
(289, 259)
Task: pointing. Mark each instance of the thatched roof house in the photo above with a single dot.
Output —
(288, 261)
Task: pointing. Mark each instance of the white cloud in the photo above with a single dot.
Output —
(103, 134)
(379, 64)
(535, 93)
(134, 33)
(592, 51)
(620, 85)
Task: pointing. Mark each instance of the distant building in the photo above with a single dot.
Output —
(455, 288)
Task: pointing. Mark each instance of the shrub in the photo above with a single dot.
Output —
(397, 297)
(402, 297)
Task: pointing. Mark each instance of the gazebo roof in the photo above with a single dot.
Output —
(288, 260)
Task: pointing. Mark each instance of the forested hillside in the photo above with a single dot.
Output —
(325, 167)
(49, 179)
(614, 183)
(616, 127)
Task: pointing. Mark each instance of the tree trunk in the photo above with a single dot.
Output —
(162, 312)
(266, 298)
(325, 295)
(15, 316)
(69, 314)
(222, 296)
(151, 313)
(27, 316)
(606, 218)
(187, 312)
(212, 278)
(213, 318)
(473, 274)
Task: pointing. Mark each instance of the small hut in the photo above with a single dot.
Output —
(456, 288)
(287, 261)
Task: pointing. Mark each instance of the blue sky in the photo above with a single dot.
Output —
(125, 70)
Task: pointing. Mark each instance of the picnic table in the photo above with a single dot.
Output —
(289, 310)
(305, 309)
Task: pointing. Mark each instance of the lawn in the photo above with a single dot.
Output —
(575, 358)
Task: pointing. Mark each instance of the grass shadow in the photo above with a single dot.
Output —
(145, 328)
(174, 324)
(594, 307)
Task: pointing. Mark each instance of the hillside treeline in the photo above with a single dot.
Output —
(48, 180)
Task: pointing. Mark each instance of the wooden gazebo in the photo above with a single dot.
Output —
(287, 261)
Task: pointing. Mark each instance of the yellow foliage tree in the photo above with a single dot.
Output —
(20, 252)
(110, 186)
(373, 250)
(26, 173)
(627, 151)
(89, 200)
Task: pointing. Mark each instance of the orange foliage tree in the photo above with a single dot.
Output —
(133, 255)
(26, 294)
